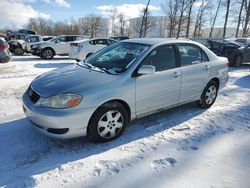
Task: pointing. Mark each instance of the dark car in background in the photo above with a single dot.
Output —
(237, 50)
(20, 31)
(5, 55)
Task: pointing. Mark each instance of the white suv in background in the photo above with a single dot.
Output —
(57, 46)
(82, 49)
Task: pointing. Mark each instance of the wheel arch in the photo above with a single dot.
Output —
(54, 52)
(122, 102)
(217, 80)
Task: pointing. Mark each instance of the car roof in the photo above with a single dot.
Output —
(89, 39)
(153, 41)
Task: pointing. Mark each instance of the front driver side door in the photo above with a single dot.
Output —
(161, 89)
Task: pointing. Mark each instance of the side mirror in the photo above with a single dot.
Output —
(146, 69)
(57, 41)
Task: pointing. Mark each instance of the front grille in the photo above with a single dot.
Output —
(34, 97)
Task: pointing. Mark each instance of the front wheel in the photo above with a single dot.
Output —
(19, 51)
(209, 95)
(108, 122)
(47, 54)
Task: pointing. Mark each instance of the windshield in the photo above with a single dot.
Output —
(117, 57)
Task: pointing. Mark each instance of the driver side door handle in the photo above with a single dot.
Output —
(207, 67)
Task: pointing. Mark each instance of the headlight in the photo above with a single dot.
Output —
(61, 101)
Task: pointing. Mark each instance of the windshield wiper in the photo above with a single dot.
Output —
(90, 66)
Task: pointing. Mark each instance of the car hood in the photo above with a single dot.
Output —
(70, 79)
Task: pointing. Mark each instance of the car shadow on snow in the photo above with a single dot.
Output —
(51, 65)
(26, 152)
(244, 82)
(37, 58)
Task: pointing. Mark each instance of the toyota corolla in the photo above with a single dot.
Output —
(122, 82)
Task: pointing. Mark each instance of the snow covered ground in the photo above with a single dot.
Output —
(182, 147)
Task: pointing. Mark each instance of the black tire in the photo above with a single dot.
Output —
(18, 51)
(47, 53)
(237, 61)
(204, 101)
(96, 128)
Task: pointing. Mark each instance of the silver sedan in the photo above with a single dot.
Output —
(124, 81)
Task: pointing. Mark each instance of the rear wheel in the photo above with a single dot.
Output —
(237, 61)
(209, 95)
(47, 53)
(108, 122)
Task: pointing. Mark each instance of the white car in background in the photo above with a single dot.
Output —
(59, 45)
(82, 49)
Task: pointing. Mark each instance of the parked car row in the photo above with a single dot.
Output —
(124, 81)
(75, 46)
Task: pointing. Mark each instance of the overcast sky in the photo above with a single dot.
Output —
(17, 12)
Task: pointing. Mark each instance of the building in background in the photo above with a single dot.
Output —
(218, 32)
(158, 27)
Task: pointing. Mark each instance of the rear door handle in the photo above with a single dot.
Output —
(207, 67)
(176, 74)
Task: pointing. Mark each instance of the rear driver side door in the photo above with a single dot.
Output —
(195, 71)
(161, 89)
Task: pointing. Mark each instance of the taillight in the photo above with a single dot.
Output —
(3, 47)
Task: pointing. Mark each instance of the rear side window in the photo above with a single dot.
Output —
(111, 42)
(191, 54)
(69, 39)
(101, 42)
(163, 58)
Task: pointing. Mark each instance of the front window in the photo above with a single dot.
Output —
(162, 58)
(117, 58)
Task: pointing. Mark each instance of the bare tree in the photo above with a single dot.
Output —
(144, 21)
(247, 16)
(214, 19)
(122, 22)
(226, 17)
(242, 2)
(182, 6)
(170, 9)
(90, 25)
(190, 7)
(112, 12)
(202, 17)
(95, 24)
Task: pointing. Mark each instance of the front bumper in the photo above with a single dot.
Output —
(75, 55)
(36, 51)
(58, 123)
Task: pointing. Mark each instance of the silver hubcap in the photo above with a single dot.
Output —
(47, 54)
(110, 124)
(210, 94)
